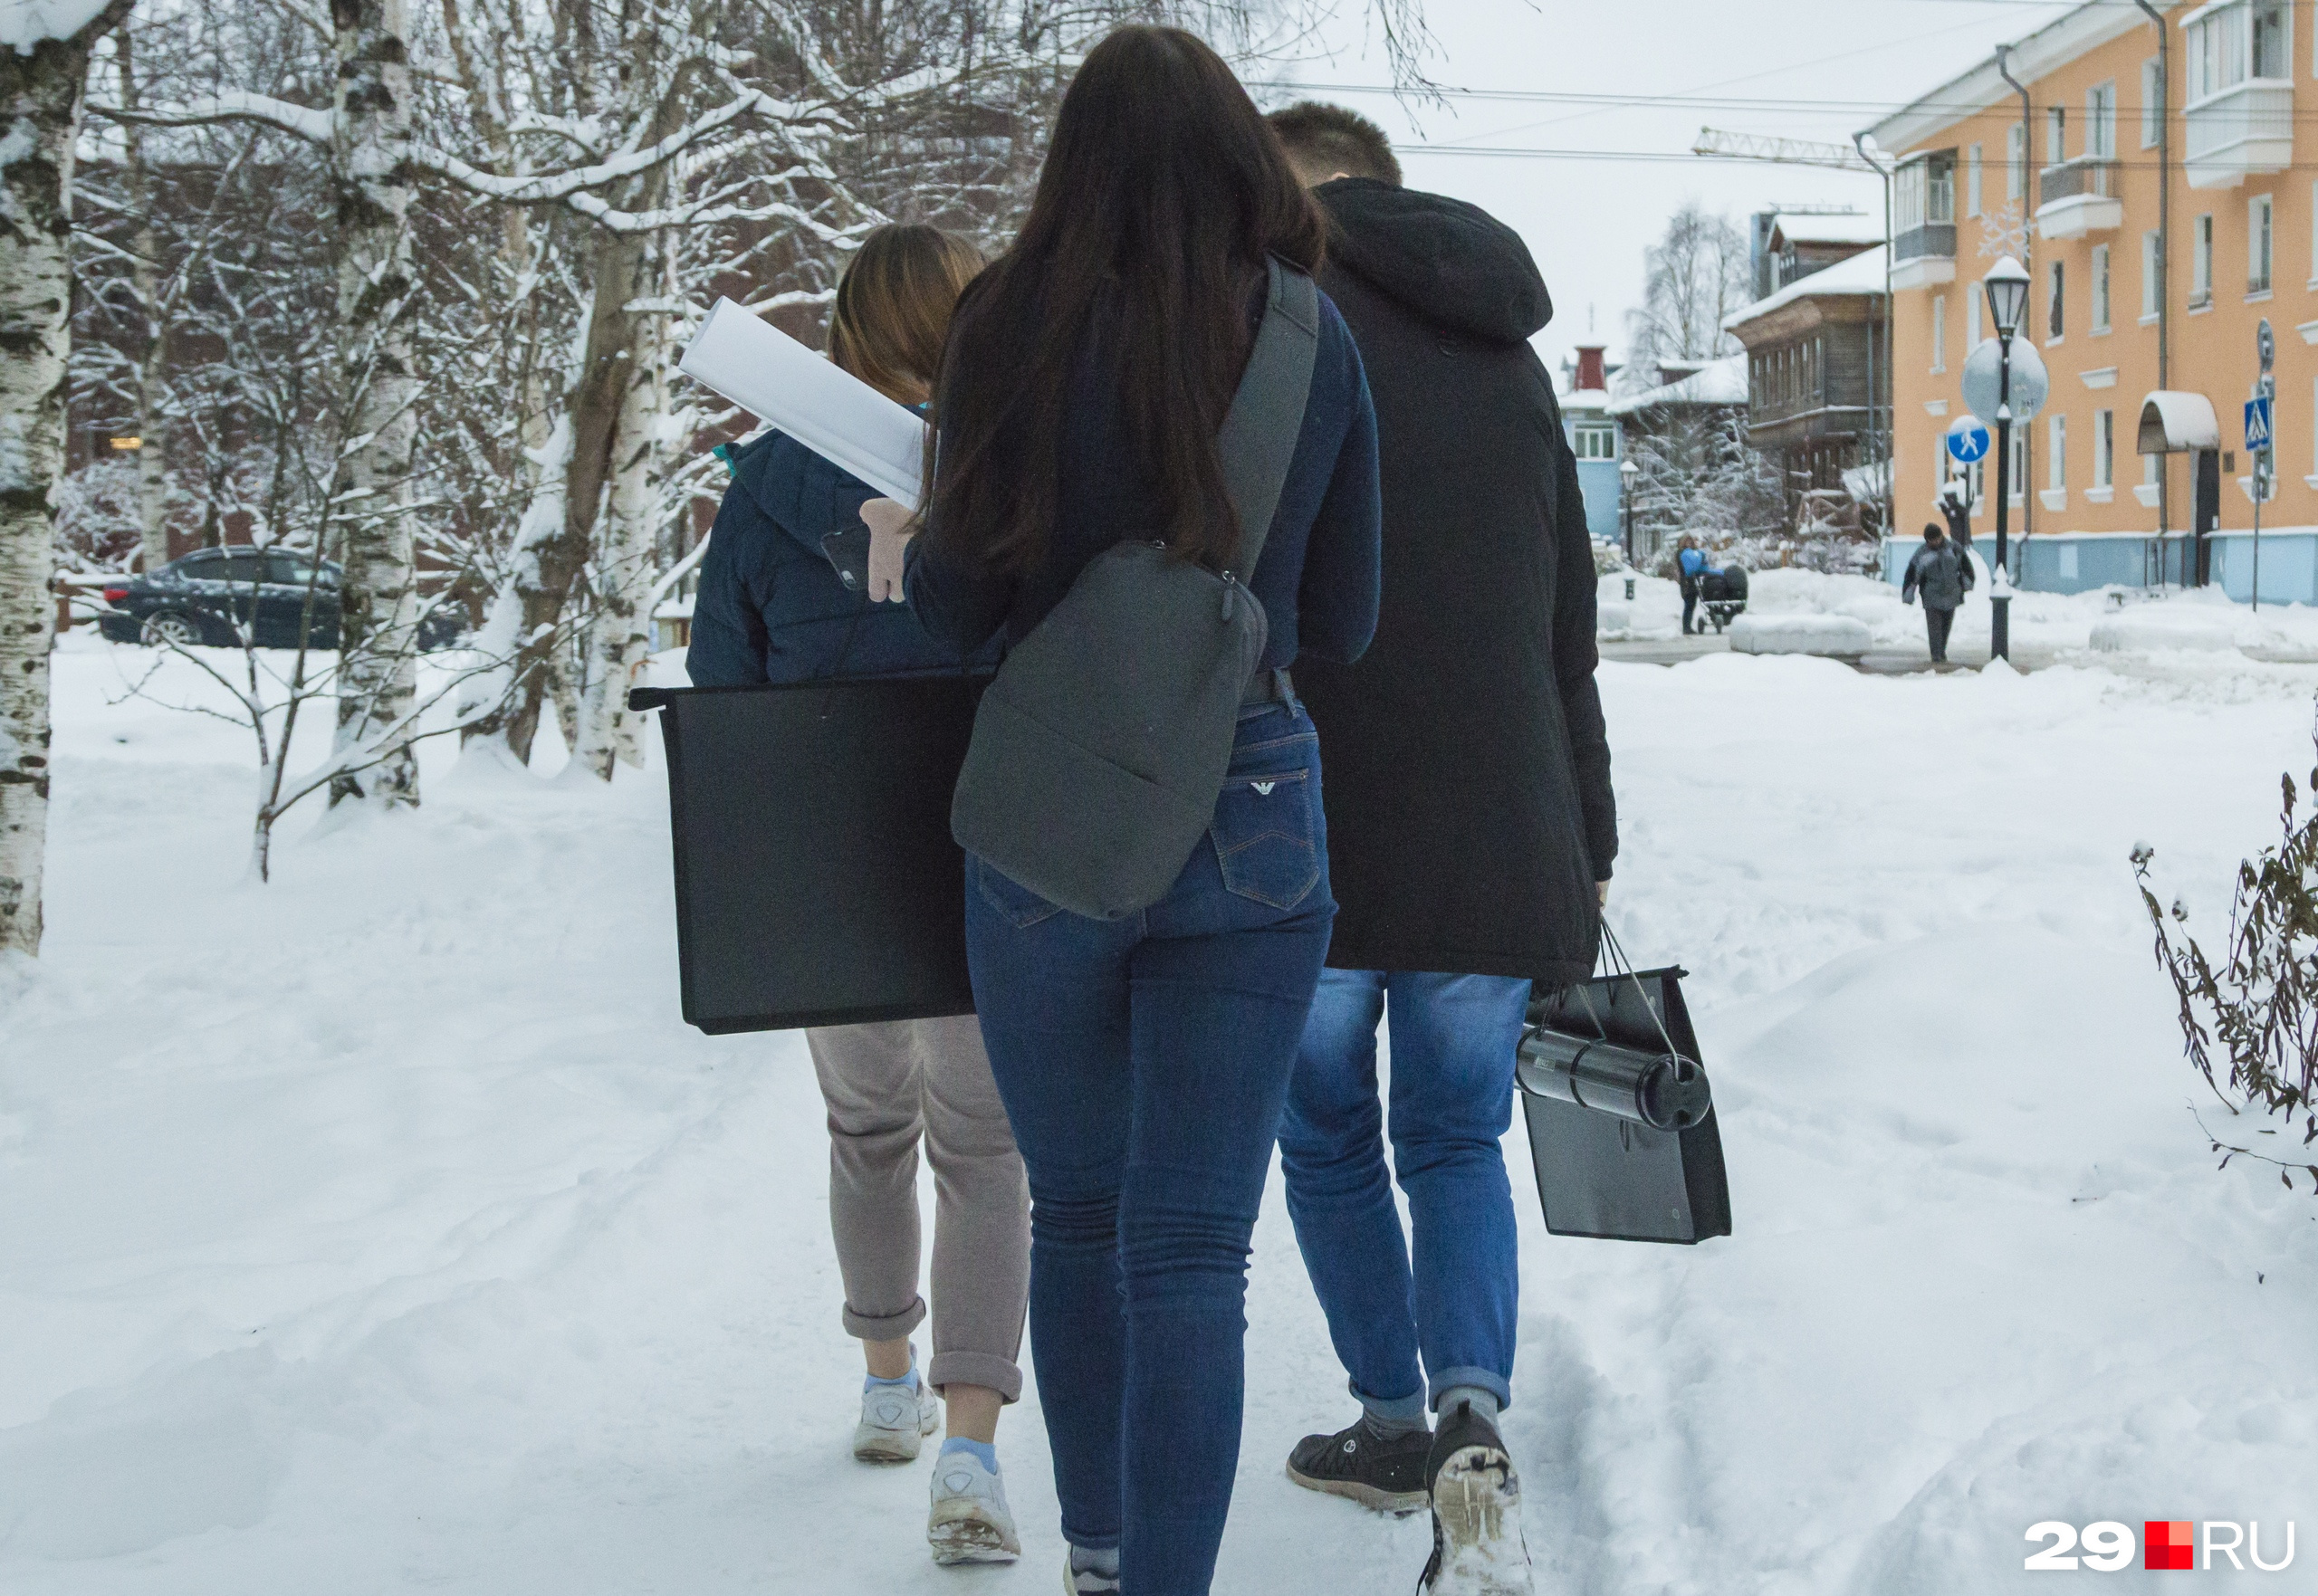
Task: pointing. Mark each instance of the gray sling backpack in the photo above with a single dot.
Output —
(1099, 746)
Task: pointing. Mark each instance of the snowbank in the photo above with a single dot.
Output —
(426, 1244)
(2150, 626)
(1842, 636)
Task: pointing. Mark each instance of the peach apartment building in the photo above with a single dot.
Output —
(2147, 178)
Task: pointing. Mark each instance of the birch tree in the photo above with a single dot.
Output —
(43, 74)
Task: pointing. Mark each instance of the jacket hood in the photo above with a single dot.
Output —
(1450, 264)
(790, 485)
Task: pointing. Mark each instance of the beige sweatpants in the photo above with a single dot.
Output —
(886, 1086)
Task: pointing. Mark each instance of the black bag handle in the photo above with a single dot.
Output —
(1259, 434)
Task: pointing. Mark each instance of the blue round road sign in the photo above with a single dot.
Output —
(1967, 439)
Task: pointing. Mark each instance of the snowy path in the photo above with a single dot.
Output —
(436, 1253)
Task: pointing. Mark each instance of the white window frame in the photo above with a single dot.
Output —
(1938, 333)
(2019, 470)
(2055, 135)
(2015, 161)
(1975, 302)
(2261, 246)
(2056, 441)
(2105, 448)
(1972, 180)
(2150, 245)
(2201, 261)
(2101, 120)
(2219, 56)
(2057, 303)
(1582, 432)
(2152, 102)
(2097, 288)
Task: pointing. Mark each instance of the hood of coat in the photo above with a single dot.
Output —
(1450, 264)
(788, 483)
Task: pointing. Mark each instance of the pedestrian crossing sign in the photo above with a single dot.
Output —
(2258, 424)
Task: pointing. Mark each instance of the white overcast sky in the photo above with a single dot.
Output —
(1821, 69)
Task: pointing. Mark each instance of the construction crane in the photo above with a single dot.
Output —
(1791, 152)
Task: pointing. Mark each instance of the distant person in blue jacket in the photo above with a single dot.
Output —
(774, 606)
(1689, 565)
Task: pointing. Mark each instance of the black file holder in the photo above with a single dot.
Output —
(817, 882)
(1609, 1177)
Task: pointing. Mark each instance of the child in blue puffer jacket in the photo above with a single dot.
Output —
(772, 606)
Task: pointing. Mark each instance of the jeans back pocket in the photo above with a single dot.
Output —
(1265, 837)
(1017, 904)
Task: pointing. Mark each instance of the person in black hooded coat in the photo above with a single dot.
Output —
(1471, 825)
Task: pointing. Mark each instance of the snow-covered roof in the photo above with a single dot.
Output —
(1861, 228)
(25, 22)
(1722, 383)
(1863, 273)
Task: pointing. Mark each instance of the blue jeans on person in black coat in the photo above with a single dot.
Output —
(1454, 1037)
(1144, 1063)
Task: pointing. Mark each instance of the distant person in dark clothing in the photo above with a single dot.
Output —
(1942, 573)
(1471, 831)
(1689, 565)
(1956, 506)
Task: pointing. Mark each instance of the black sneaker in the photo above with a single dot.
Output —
(1477, 1545)
(1379, 1471)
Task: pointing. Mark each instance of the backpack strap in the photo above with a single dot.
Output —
(1267, 414)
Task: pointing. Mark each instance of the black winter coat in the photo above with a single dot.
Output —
(1468, 804)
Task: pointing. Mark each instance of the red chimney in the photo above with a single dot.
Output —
(1589, 366)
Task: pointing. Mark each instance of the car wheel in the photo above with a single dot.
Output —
(170, 629)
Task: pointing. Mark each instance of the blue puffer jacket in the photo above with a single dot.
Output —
(771, 607)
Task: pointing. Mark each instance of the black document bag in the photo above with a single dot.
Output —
(816, 883)
(1613, 1178)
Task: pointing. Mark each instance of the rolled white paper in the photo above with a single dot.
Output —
(828, 409)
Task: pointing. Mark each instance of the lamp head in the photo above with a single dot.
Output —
(1629, 470)
(2008, 290)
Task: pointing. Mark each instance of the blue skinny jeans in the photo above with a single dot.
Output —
(1143, 1063)
(1453, 1042)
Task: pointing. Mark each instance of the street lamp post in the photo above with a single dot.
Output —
(1627, 472)
(2007, 292)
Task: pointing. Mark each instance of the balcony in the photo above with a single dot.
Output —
(1924, 254)
(2244, 132)
(2077, 197)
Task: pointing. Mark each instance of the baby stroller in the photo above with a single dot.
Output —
(1722, 595)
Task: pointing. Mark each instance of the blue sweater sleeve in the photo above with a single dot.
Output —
(728, 630)
(1344, 556)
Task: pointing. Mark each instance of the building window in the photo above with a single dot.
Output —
(2018, 469)
(2202, 263)
(2015, 161)
(2100, 287)
(2153, 103)
(2233, 43)
(2257, 244)
(2057, 435)
(1924, 195)
(2151, 278)
(1940, 332)
(1972, 181)
(1597, 442)
(2101, 120)
(1974, 301)
(2055, 135)
(2105, 448)
(2056, 304)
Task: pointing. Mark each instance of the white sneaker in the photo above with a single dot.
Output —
(1086, 1582)
(895, 1422)
(970, 1521)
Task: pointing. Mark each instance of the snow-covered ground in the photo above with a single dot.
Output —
(2048, 624)
(384, 1229)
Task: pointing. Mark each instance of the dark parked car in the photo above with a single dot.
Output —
(207, 597)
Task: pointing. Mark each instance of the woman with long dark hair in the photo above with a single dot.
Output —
(1143, 1060)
